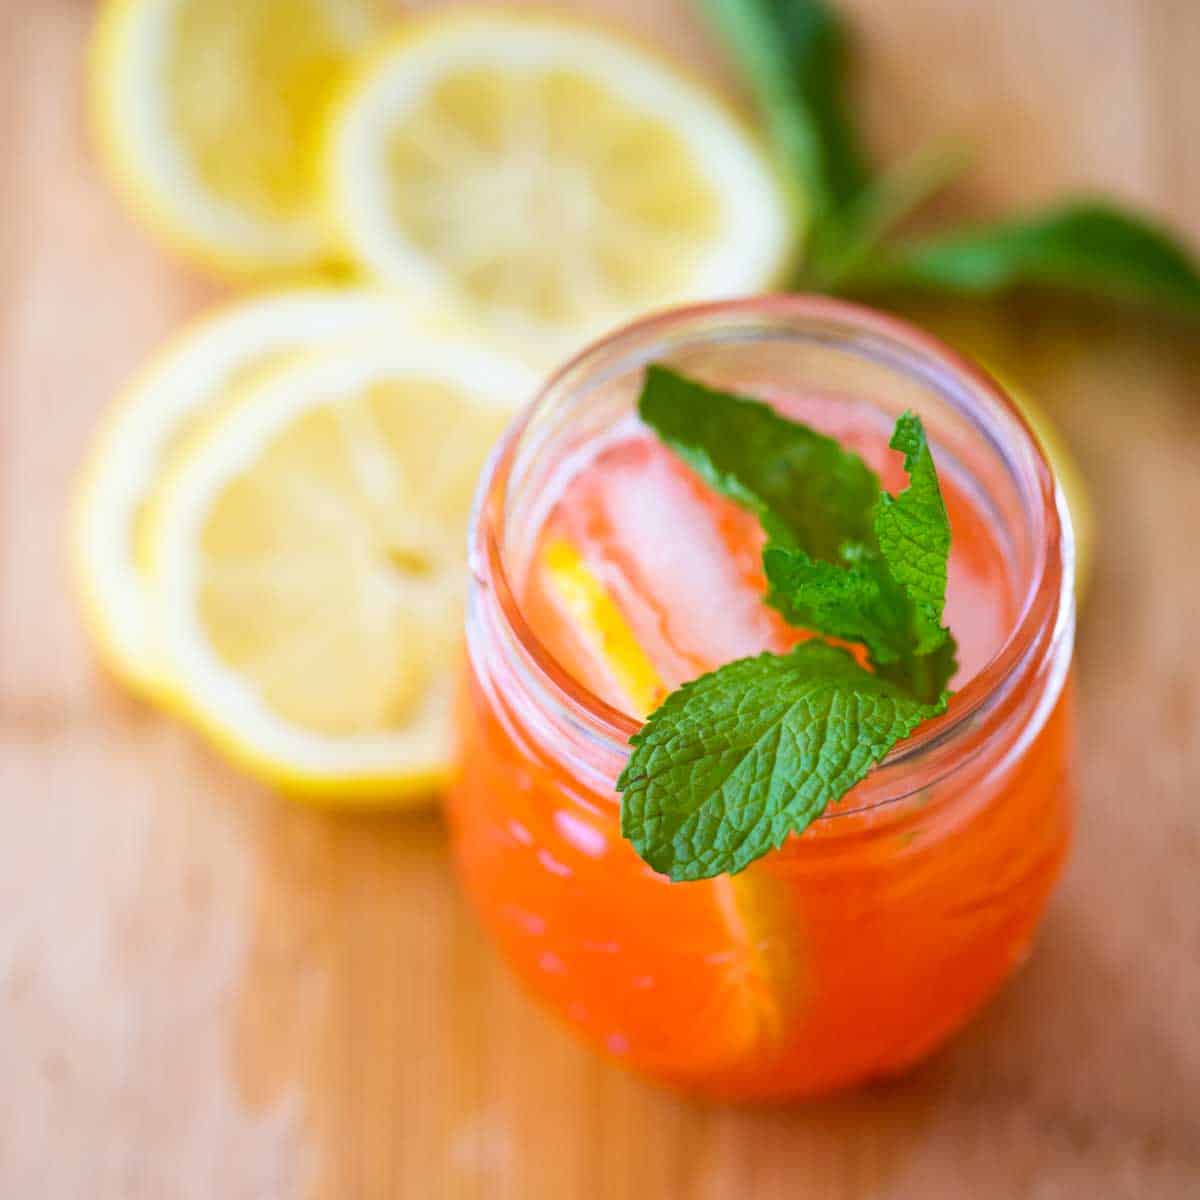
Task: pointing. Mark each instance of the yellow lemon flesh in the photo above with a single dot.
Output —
(548, 180)
(157, 414)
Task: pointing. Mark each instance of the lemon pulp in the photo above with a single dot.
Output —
(544, 190)
(248, 84)
(330, 568)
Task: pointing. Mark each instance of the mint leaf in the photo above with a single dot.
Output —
(862, 603)
(734, 762)
(857, 602)
(1089, 246)
(807, 491)
(883, 204)
(791, 52)
(913, 531)
(841, 558)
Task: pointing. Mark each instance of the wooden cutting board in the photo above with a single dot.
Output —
(207, 993)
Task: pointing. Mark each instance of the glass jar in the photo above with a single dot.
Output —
(859, 946)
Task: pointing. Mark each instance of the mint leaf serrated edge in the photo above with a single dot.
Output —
(734, 762)
(913, 532)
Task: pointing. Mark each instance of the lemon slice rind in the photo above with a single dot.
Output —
(129, 114)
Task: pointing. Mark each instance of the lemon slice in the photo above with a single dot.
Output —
(548, 179)
(1066, 469)
(1070, 477)
(198, 371)
(308, 553)
(755, 981)
(601, 626)
(208, 113)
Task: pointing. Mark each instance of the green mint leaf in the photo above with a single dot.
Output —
(913, 532)
(863, 603)
(806, 489)
(791, 53)
(857, 602)
(883, 204)
(734, 762)
(1089, 246)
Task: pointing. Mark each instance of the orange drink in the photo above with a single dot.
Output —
(606, 573)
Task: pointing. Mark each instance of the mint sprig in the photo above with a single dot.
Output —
(735, 761)
(842, 558)
(792, 54)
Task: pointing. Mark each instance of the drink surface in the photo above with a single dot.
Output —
(682, 565)
(848, 953)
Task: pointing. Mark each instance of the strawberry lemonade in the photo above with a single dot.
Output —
(607, 572)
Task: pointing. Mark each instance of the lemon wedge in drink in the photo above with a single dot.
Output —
(547, 179)
(596, 619)
(745, 993)
(307, 553)
(208, 115)
(181, 388)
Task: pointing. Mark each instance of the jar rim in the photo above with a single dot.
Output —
(1046, 614)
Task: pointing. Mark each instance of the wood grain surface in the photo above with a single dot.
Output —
(207, 993)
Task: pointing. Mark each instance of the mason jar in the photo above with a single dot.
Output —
(860, 945)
